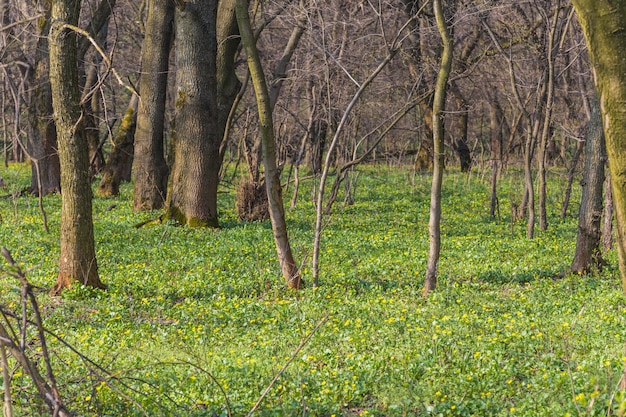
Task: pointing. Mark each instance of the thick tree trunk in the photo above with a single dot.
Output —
(588, 253)
(603, 25)
(42, 144)
(272, 179)
(439, 103)
(118, 166)
(150, 171)
(195, 174)
(78, 257)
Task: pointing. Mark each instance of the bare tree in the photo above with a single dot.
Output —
(272, 179)
(439, 103)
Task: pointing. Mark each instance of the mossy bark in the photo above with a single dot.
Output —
(78, 257)
(195, 174)
(150, 171)
(117, 168)
(604, 26)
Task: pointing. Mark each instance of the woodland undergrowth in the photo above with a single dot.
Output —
(198, 322)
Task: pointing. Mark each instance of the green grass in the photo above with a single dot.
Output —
(499, 337)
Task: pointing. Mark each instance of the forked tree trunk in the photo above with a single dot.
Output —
(195, 174)
(588, 253)
(150, 171)
(439, 103)
(78, 257)
(272, 180)
(603, 25)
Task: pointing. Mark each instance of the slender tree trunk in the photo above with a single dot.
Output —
(495, 120)
(460, 142)
(150, 171)
(439, 103)
(195, 174)
(545, 134)
(588, 253)
(570, 177)
(78, 257)
(272, 180)
(603, 25)
(580, 144)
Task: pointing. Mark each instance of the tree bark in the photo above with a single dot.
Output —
(78, 257)
(195, 174)
(118, 166)
(150, 171)
(42, 145)
(495, 123)
(439, 103)
(607, 225)
(272, 179)
(588, 253)
(603, 25)
(552, 49)
(228, 84)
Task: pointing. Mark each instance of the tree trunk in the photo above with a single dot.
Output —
(228, 84)
(272, 180)
(150, 169)
(42, 145)
(78, 257)
(545, 134)
(607, 226)
(495, 120)
(603, 25)
(588, 254)
(439, 103)
(118, 166)
(91, 108)
(570, 177)
(195, 174)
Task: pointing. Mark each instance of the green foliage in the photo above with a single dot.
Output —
(500, 336)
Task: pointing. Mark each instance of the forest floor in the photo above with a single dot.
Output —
(199, 322)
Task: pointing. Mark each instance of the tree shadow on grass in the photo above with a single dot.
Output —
(497, 276)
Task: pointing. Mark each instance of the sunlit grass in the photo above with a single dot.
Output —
(500, 336)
